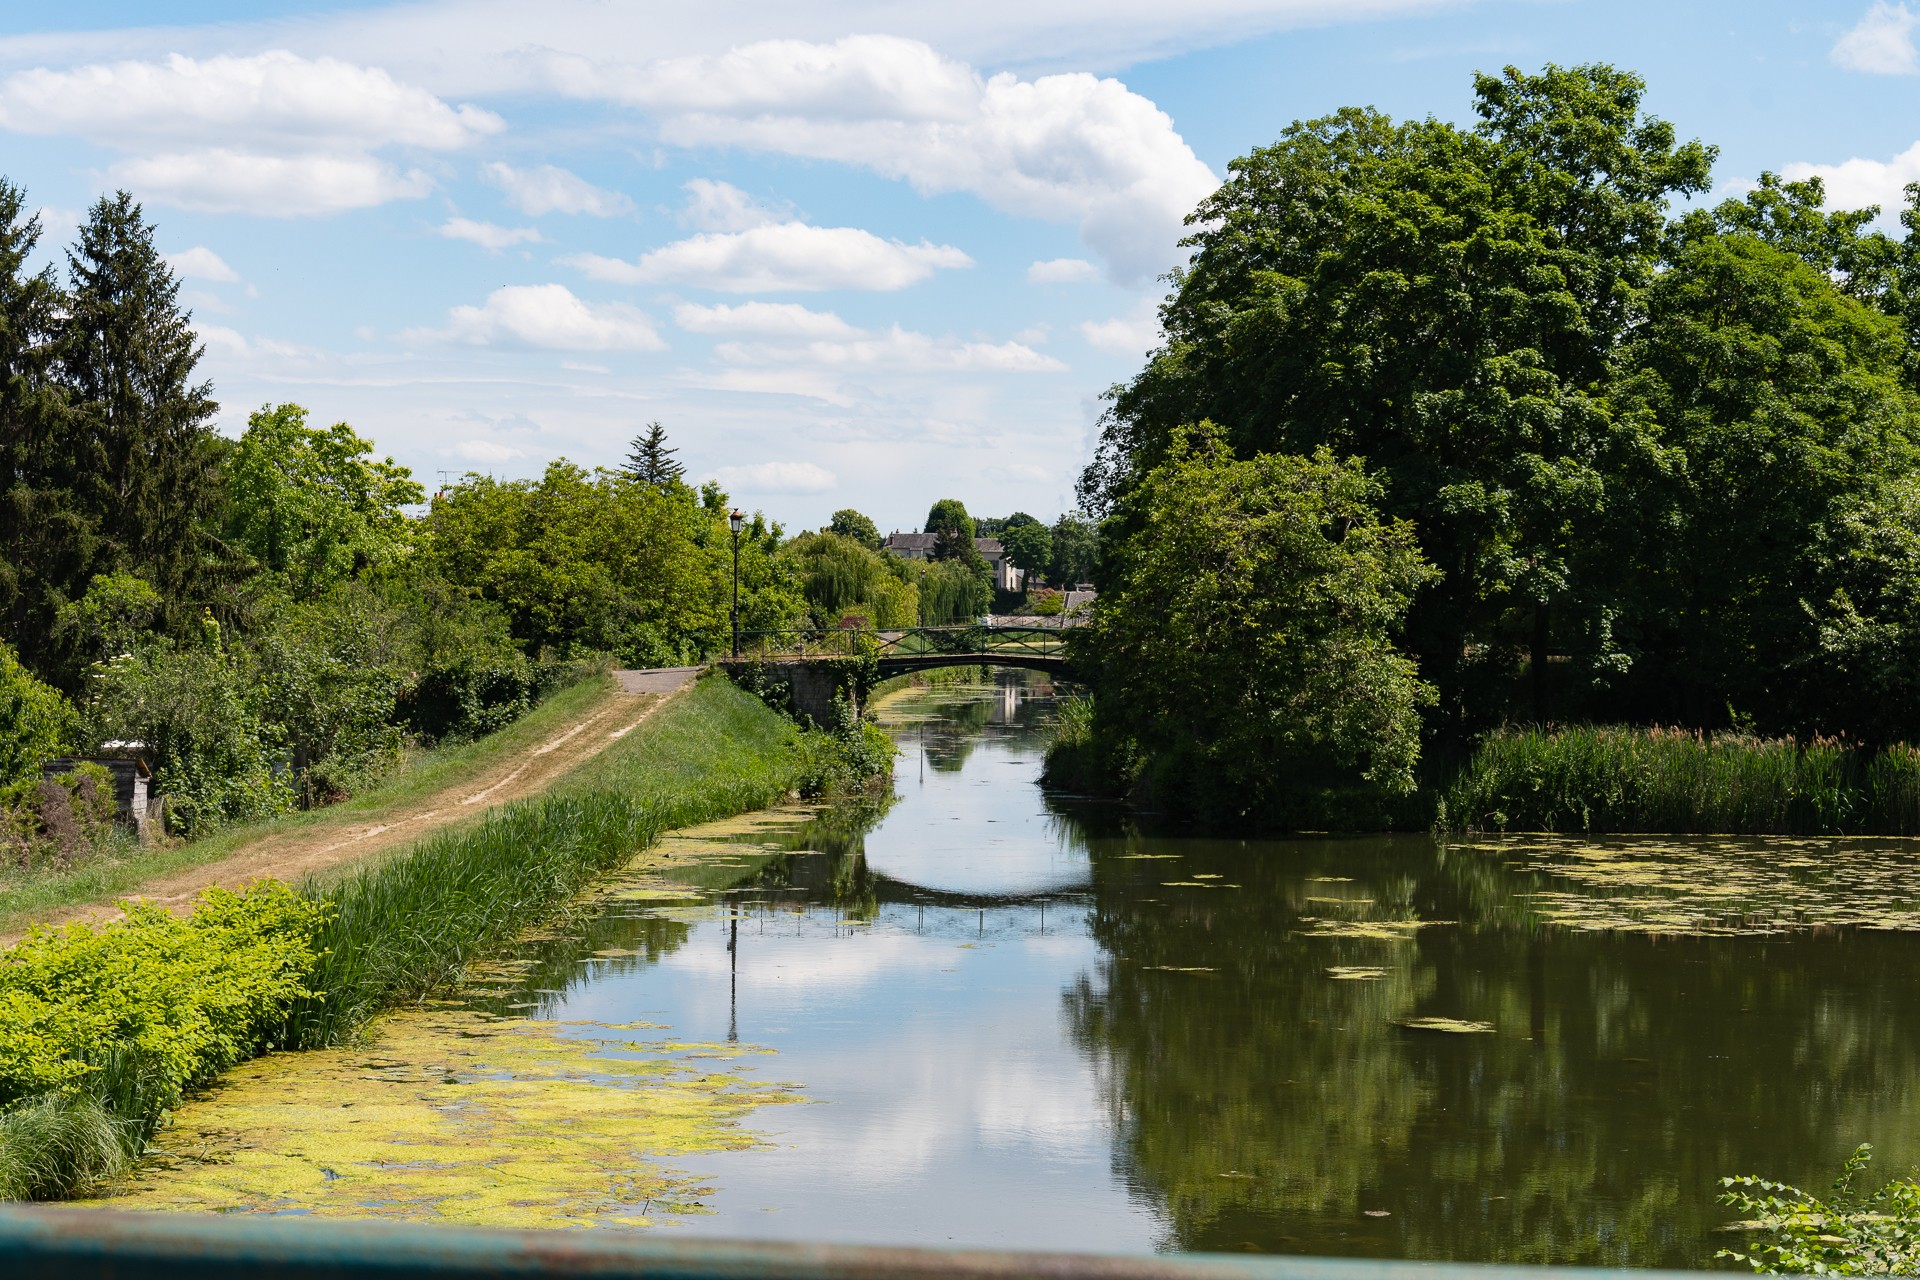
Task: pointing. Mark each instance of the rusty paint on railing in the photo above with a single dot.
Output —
(90, 1244)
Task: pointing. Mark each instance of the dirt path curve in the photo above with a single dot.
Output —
(296, 853)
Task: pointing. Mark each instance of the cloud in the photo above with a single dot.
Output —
(1856, 183)
(1063, 271)
(551, 189)
(788, 257)
(1881, 43)
(896, 349)
(778, 477)
(487, 235)
(546, 316)
(485, 451)
(273, 133)
(721, 206)
(777, 319)
(202, 263)
(221, 181)
(275, 99)
(1132, 335)
(1064, 148)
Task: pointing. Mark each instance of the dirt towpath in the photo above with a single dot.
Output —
(321, 845)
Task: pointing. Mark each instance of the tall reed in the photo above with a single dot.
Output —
(1597, 778)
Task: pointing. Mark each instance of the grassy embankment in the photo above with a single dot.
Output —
(1662, 780)
(1611, 779)
(28, 895)
(89, 1068)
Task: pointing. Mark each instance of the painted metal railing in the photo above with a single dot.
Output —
(91, 1244)
(908, 642)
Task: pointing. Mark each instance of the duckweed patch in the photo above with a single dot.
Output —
(1715, 886)
(456, 1116)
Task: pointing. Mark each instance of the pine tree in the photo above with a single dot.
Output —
(47, 542)
(144, 454)
(651, 461)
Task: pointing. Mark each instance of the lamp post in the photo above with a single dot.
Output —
(734, 520)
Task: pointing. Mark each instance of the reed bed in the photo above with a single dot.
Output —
(1610, 779)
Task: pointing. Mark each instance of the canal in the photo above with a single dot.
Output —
(979, 1016)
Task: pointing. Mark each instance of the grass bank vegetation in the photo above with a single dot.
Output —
(102, 1030)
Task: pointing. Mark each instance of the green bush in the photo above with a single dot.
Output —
(59, 819)
(1854, 1232)
(166, 1000)
(35, 721)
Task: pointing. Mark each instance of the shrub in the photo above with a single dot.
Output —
(60, 819)
(1854, 1232)
(35, 721)
(1046, 603)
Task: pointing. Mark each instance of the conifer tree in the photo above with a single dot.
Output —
(46, 540)
(143, 453)
(651, 460)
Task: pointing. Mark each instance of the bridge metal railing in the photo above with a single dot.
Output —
(93, 1244)
(907, 642)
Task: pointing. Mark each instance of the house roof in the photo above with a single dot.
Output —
(988, 547)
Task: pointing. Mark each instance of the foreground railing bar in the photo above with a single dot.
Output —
(92, 1244)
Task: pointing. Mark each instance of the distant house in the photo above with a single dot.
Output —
(1007, 576)
(133, 799)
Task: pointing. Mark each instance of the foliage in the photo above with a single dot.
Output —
(1046, 602)
(1854, 1232)
(950, 513)
(650, 461)
(951, 592)
(849, 523)
(58, 820)
(1613, 779)
(841, 576)
(1073, 551)
(1027, 542)
(199, 712)
(35, 721)
(313, 504)
(1243, 641)
(586, 561)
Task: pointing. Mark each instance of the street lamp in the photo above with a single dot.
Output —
(734, 520)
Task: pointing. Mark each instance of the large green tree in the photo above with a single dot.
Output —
(1243, 642)
(1441, 302)
(48, 538)
(313, 504)
(143, 456)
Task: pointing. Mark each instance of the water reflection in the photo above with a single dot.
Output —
(1027, 1025)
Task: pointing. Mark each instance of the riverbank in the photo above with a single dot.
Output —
(441, 788)
(1598, 779)
(388, 931)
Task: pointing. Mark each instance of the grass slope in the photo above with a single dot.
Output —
(101, 880)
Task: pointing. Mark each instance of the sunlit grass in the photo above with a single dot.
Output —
(1591, 778)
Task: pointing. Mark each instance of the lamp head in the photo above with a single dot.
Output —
(735, 519)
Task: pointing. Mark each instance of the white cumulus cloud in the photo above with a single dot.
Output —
(222, 181)
(1856, 183)
(485, 451)
(896, 349)
(202, 263)
(1063, 271)
(778, 319)
(547, 316)
(272, 133)
(551, 189)
(1881, 42)
(787, 257)
(1129, 335)
(721, 206)
(488, 235)
(778, 477)
(1065, 148)
(273, 99)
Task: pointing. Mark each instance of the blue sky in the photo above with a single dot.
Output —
(849, 253)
